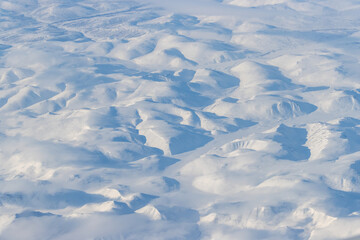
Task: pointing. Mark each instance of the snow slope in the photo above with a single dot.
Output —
(201, 119)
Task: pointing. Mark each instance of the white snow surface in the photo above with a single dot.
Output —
(194, 119)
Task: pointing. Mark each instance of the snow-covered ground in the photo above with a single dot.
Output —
(192, 119)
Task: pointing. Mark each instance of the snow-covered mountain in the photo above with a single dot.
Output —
(193, 119)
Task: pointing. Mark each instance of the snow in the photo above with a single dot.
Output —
(193, 119)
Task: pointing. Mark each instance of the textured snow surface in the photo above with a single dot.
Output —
(194, 119)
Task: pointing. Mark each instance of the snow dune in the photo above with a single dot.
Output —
(202, 119)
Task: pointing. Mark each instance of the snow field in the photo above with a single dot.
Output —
(164, 120)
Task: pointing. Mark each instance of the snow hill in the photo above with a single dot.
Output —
(193, 119)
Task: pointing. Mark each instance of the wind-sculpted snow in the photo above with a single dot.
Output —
(194, 119)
